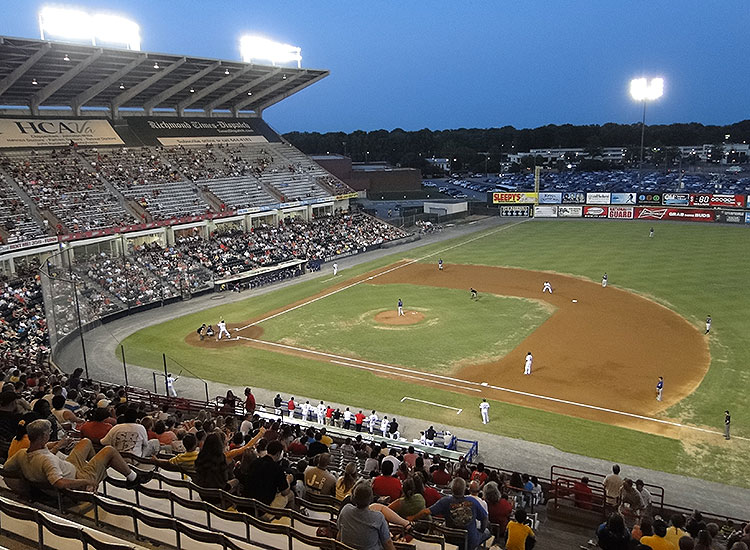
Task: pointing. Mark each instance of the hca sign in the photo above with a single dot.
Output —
(56, 132)
(55, 127)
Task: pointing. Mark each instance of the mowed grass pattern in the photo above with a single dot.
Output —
(456, 330)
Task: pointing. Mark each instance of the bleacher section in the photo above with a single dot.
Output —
(15, 215)
(238, 192)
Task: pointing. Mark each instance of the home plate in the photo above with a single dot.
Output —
(574, 301)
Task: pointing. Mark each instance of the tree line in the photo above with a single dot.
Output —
(481, 149)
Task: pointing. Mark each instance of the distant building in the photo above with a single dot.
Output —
(443, 164)
(375, 176)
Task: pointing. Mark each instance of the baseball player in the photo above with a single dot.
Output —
(373, 421)
(170, 385)
(604, 280)
(651, 232)
(306, 408)
(484, 407)
(547, 287)
(400, 307)
(384, 426)
(473, 293)
(527, 364)
(727, 422)
(440, 264)
(659, 388)
(222, 326)
(321, 413)
(335, 269)
(708, 324)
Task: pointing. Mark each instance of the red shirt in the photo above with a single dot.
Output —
(95, 430)
(329, 412)
(387, 486)
(250, 403)
(290, 405)
(359, 418)
(500, 513)
(441, 477)
(478, 476)
(431, 495)
(582, 495)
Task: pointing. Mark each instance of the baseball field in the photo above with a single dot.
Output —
(598, 352)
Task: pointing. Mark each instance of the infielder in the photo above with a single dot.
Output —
(527, 364)
(547, 287)
(222, 326)
(473, 293)
(335, 269)
(659, 388)
(708, 324)
(373, 421)
(170, 385)
(400, 307)
(484, 407)
(604, 280)
(440, 264)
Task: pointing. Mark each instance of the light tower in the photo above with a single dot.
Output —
(643, 90)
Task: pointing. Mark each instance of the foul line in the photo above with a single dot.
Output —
(409, 373)
(371, 277)
(431, 403)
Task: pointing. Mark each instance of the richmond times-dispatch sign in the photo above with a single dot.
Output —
(193, 131)
(56, 132)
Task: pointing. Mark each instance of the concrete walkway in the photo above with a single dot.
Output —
(512, 454)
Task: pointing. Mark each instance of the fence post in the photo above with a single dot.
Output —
(206, 385)
(124, 366)
(166, 373)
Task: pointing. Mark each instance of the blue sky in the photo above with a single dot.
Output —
(443, 64)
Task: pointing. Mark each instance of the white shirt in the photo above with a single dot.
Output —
(484, 406)
(374, 419)
(321, 410)
(222, 325)
(347, 415)
(529, 359)
(396, 462)
(384, 424)
(127, 438)
(245, 427)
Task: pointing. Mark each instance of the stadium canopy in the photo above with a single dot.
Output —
(39, 77)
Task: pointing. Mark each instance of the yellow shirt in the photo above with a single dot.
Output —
(658, 543)
(186, 460)
(17, 445)
(517, 535)
(674, 534)
(327, 441)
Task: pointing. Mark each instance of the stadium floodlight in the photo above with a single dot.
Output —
(643, 90)
(256, 47)
(78, 25)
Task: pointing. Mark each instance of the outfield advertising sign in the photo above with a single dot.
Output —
(545, 211)
(514, 198)
(730, 216)
(679, 214)
(574, 197)
(598, 198)
(649, 198)
(595, 211)
(515, 211)
(700, 199)
(550, 198)
(747, 217)
(569, 211)
(623, 198)
(728, 201)
(676, 199)
(620, 213)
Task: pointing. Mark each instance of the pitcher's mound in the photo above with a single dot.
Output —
(393, 318)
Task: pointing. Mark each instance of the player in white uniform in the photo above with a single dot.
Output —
(222, 326)
(527, 364)
(384, 426)
(547, 287)
(484, 407)
(708, 324)
(170, 385)
(321, 413)
(306, 407)
(373, 421)
(335, 269)
(604, 280)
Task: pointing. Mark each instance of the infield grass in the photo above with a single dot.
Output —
(694, 269)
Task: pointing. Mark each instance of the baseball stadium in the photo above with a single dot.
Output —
(166, 251)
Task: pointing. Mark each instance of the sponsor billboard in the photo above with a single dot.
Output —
(649, 198)
(597, 198)
(56, 132)
(195, 131)
(680, 214)
(595, 211)
(515, 211)
(747, 217)
(728, 201)
(27, 244)
(542, 211)
(550, 198)
(569, 211)
(623, 198)
(620, 212)
(730, 216)
(700, 199)
(511, 198)
(574, 197)
(675, 199)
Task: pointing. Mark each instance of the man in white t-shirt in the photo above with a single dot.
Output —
(347, 419)
(131, 437)
(246, 424)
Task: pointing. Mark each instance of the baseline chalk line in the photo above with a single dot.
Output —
(431, 403)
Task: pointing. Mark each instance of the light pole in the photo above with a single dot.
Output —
(643, 90)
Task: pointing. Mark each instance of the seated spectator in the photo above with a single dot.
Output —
(676, 530)
(385, 485)
(360, 527)
(163, 435)
(266, 480)
(518, 532)
(130, 437)
(410, 457)
(410, 503)
(643, 529)
(430, 494)
(97, 427)
(317, 447)
(317, 479)
(439, 475)
(82, 470)
(479, 474)
(499, 508)
(582, 494)
(657, 540)
(64, 416)
(211, 468)
(372, 464)
(184, 462)
(613, 535)
(345, 484)
(704, 541)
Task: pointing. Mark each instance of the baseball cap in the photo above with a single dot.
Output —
(103, 403)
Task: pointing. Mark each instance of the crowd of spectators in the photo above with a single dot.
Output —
(15, 215)
(23, 326)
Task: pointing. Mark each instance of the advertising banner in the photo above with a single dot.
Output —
(515, 211)
(595, 211)
(747, 217)
(675, 199)
(195, 131)
(649, 198)
(10, 247)
(550, 198)
(623, 198)
(700, 199)
(545, 211)
(728, 201)
(574, 197)
(514, 198)
(650, 213)
(569, 211)
(56, 132)
(598, 198)
(620, 212)
(679, 214)
(730, 216)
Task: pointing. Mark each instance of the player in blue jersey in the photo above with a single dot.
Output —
(659, 388)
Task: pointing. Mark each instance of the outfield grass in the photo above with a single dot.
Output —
(693, 269)
(455, 331)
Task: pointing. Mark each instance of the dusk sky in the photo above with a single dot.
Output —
(443, 65)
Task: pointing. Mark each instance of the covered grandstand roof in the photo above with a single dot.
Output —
(41, 75)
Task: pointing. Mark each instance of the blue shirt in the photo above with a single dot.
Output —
(461, 513)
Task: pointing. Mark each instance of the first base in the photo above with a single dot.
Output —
(574, 301)
(369, 278)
